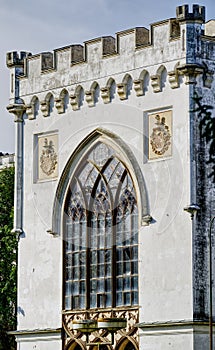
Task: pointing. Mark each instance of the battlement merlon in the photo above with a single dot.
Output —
(109, 45)
(93, 50)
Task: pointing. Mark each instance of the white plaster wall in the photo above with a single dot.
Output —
(182, 339)
(165, 246)
(39, 342)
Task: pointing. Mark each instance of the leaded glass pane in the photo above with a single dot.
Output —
(119, 298)
(101, 233)
(68, 303)
(100, 286)
(127, 298)
(93, 285)
(93, 300)
(108, 300)
(82, 303)
(134, 296)
(108, 270)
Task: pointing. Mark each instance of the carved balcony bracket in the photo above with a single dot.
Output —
(138, 87)
(59, 104)
(74, 101)
(156, 82)
(89, 95)
(44, 106)
(105, 94)
(122, 91)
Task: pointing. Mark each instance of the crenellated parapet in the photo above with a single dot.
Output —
(103, 69)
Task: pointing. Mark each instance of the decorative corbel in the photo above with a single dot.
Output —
(44, 108)
(59, 104)
(51, 232)
(146, 220)
(190, 71)
(122, 91)
(138, 87)
(174, 79)
(90, 95)
(156, 82)
(74, 101)
(18, 111)
(192, 209)
(105, 94)
(30, 111)
(18, 232)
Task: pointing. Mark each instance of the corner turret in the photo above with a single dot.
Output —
(183, 14)
(16, 59)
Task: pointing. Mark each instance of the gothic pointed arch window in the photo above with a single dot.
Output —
(100, 233)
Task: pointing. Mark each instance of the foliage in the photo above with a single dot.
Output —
(8, 251)
(207, 129)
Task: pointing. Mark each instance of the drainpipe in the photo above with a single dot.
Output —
(16, 64)
(18, 111)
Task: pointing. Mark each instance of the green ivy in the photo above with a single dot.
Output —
(8, 258)
(207, 129)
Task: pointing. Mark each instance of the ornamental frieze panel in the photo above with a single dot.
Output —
(47, 156)
(160, 134)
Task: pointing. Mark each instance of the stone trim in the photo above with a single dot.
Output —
(177, 326)
(37, 335)
(35, 331)
(136, 174)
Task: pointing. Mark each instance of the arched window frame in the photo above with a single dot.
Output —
(126, 155)
(130, 162)
(101, 234)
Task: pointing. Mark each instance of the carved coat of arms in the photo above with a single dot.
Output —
(48, 158)
(160, 137)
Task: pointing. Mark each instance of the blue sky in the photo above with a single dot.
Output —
(42, 25)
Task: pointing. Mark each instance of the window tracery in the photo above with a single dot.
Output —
(101, 234)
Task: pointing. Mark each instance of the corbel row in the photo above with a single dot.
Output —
(189, 71)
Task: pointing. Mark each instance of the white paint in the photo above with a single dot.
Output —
(165, 246)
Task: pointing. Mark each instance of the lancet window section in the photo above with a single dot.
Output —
(101, 234)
